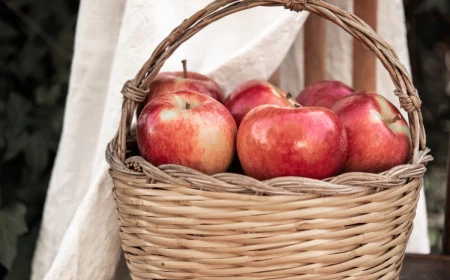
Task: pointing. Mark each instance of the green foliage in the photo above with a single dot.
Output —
(36, 42)
(429, 45)
(12, 224)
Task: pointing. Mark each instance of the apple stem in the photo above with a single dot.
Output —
(188, 106)
(394, 119)
(292, 101)
(185, 73)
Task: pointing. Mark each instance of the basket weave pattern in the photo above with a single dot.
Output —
(178, 223)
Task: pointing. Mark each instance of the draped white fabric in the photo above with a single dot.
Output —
(79, 238)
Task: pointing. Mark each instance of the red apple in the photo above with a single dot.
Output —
(275, 141)
(252, 94)
(378, 135)
(187, 128)
(323, 93)
(173, 81)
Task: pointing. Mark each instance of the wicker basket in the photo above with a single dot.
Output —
(177, 223)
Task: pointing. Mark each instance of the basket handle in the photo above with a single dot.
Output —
(135, 90)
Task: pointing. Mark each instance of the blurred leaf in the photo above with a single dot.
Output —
(21, 267)
(6, 50)
(57, 120)
(42, 12)
(429, 5)
(2, 271)
(36, 154)
(18, 103)
(21, 3)
(47, 97)
(15, 144)
(16, 113)
(12, 67)
(2, 143)
(7, 31)
(32, 54)
(12, 225)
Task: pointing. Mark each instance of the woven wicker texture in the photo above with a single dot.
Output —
(178, 223)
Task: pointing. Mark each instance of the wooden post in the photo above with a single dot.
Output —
(315, 49)
(446, 235)
(364, 61)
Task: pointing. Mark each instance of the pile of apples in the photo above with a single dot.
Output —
(328, 129)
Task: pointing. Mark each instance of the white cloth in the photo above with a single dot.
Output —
(79, 237)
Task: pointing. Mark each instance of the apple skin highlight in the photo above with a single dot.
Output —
(275, 141)
(189, 129)
(378, 136)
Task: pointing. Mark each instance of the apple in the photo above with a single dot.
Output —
(378, 135)
(187, 128)
(275, 141)
(183, 80)
(254, 93)
(323, 93)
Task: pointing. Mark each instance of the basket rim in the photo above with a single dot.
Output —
(135, 91)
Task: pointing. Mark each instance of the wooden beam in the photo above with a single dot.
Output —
(446, 235)
(315, 49)
(364, 61)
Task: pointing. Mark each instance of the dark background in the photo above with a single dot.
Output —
(36, 45)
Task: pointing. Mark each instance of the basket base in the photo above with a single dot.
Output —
(177, 232)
